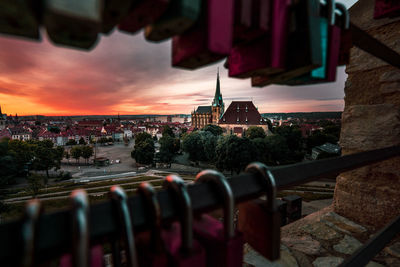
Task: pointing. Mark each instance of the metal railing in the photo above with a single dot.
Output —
(53, 233)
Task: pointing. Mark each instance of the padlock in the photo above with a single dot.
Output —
(125, 227)
(251, 20)
(73, 23)
(223, 245)
(303, 48)
(345, 35)
(294, 207)
(209, 40)
(179, 16)
(259, 220)
(330, 43)
(96, 258)
(386, 8)
(178, 239)
(151, 249)
(113, 12)
(20, 18)
(142, 14)
(28, 232)
(266, 55)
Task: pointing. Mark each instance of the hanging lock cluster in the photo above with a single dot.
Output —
(290, 42)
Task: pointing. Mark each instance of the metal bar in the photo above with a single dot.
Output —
(368, 251)
(54, 236)
(369, 44)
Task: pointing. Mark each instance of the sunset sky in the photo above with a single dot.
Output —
(127, 75)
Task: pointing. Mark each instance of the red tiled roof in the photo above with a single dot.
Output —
(238, 129)
(242, 112)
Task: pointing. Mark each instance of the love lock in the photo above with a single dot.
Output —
(142, 14)
(20, 18)
(345, 37)
(74, 23)
(265, 55)
(151, 249)
(303, 50)
(259, 220)
(180, 16)
(183, 250)
(223, 245)
(113, 12)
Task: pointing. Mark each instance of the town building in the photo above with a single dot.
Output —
(205, 115)
(239, 116)
(3, 120)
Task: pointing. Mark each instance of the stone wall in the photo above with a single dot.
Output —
(371, 120)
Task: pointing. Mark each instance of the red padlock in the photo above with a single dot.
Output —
(386, 8)
(28, 232)
(264, 56)
(125, 227)
(223, 245)
(183, 250)
(151, 249)
(251, 20)
(143, 13)
(345, 37)
(260, 220)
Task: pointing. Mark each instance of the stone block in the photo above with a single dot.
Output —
(368, 127)
(394, 249)
(327, 261)
(389, 88)
(343, 224)
(304, 244)
(348, 245)
(321, 231)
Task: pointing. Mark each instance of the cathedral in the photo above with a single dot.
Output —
(205, 115)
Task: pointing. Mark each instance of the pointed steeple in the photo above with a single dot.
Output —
(0, 111)
(218, 96)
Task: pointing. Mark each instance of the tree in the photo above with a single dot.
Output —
(76, 153)
(209, 142)
(214, 129)
(255, 132)
(234, 153)
(140, 137)
(23, 152)
(143, 151)
(167, 131)
(292, 135)
(193, 145)
(82, 141)
(71, 142)
(86, 152)
(67, 156)
(46, 157)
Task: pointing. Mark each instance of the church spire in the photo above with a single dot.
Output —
(218, 97)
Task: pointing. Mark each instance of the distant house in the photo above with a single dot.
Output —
(325, 151)
(239, 116)
(20, 133)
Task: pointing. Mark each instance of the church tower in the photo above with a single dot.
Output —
(218, 106)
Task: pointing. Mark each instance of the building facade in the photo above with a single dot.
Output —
(239, 116)
(205, 115)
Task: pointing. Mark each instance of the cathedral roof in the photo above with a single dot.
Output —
(203, 109)
(242, 112)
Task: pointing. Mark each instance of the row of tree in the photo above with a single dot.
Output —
(76, 152)
(17, 158)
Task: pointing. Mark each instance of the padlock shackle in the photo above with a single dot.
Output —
(146, 190)
(80, 228)
(219, 181)
(175, 184)
(330, 4)
(32, 212)
(119, 199)
(344, 15)
(268, 180)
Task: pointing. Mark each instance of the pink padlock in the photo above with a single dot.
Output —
(224, 245)
(182, 248)
(266, 55)
(150, 246)
(209, 41)
(386, 8)
(345, 36)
